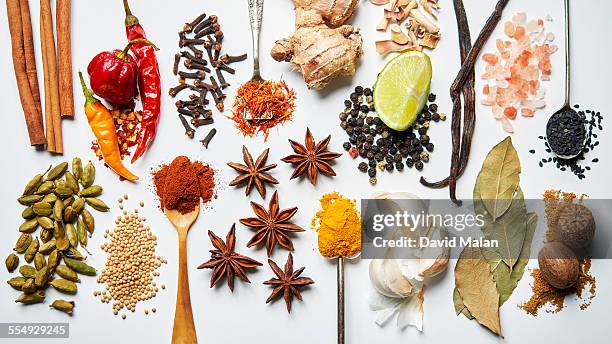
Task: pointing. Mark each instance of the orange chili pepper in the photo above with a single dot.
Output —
(103, 126)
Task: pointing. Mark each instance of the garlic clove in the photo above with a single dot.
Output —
(377, 278)
(397, 35)
(411, 311)
(395, 280)
(433, 266)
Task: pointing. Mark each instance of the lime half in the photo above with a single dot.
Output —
(402, 88)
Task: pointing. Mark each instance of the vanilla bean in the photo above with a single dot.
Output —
(209, 136)
(227, 59)
(189, 132)
(177, 60)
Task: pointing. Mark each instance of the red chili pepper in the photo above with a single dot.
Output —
(114, 75)
(149, 82)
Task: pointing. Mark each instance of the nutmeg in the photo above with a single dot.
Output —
(575, 226)
(559, 265)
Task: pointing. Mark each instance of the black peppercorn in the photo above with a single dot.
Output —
(364, 109)
(346, 146)
(433, 107)
(367, 92)
(399, 166)
(347, 103)
(359, 90)
(389, 167)
(422, 131)
(435, 117)
(431, 97)
(418, 165)
(372, 172)
(354, 97)
(343, 116)
(363, 167)
(429, 147)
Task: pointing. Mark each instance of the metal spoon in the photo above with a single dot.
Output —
(566, 106)
(255, 15)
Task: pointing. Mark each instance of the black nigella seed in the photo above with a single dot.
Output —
(595, 160)
(363, 167)
(532, 151)
(346, 146)
(541, 164)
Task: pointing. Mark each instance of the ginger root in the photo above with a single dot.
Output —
(321, 46)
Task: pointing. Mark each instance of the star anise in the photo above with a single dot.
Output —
(312, 159)
(254, 172)
(287, 282)
(226, 262)
(272, 225)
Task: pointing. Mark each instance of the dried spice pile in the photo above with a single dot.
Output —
(127, 126)
(131, 263)
(261, 105)
(514, 72)
(57, 202)
(421, 30)
(382, 147)
(183, 183)
(580, 164)
(338, 225)
(543, 292)
(204, 32)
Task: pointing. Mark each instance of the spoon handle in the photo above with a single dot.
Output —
(255, 15)
(184, 329)
(567, 54)
(340, 300)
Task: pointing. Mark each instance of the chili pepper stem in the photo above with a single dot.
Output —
(89, 97)
(130, 19)
(124, 53)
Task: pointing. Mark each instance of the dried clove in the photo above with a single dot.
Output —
(184, 103)
(227, 59)
(189, 41)
(210, 20)
(177, 60)
(175, 90)
(220, 65)
(188, 130)
(193, 58)
(194, 65)
(208, 31)
(197, 52)
(187, 112)
(198, 122)
(189, 26)
(217, 47)
(208, 45)
(202, 84)
(224, 83)
(208, 137)
(193, 75)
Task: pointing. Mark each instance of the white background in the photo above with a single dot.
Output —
(223, 317)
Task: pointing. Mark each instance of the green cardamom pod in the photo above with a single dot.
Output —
(92, 191)
(27, 271)
(50, 198)
(12, 262)
(73, 253)
(31, 250)
(88, 219)
(45, 222)
(58, 210)
(63, 306)
(58, 230)
(70, 214)
(60, 183)
(45, 188)
(46, 235)
(89, 175)
(29, 226)
(54, 260)
(33, 298)
(97, 204)
(62, 244)
(29, 286)
(80, 267)
(32, 185)
(72, 182)
(63, 192)
(64, 286)
(67, 273)
(42, 208)
(23, 242)
(29, 199)
(39, 261)
(78, 205)
(81, 232)
(16, 282)
(57, 171)
(77, 167)
(68, 201)
(71, 235)
(41, 277)
(47, 247)
(28, 213)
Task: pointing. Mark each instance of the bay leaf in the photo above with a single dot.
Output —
(506, 280)
(499, 178)
(476, 287)
(459, 306)
(509, 231)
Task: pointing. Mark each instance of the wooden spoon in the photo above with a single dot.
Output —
(184, 329)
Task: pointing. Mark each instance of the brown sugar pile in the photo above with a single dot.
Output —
(181, 184)
(544, 293)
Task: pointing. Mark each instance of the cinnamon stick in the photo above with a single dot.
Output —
(64, 57)
(33, 118)
(30, 56)
(50, 68)
(48, 109)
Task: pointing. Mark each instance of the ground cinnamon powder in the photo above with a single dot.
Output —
(181, 184)
(544, 293)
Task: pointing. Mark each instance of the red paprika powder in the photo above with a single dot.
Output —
(181, 184)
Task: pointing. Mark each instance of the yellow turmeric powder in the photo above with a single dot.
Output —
(338, 224)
